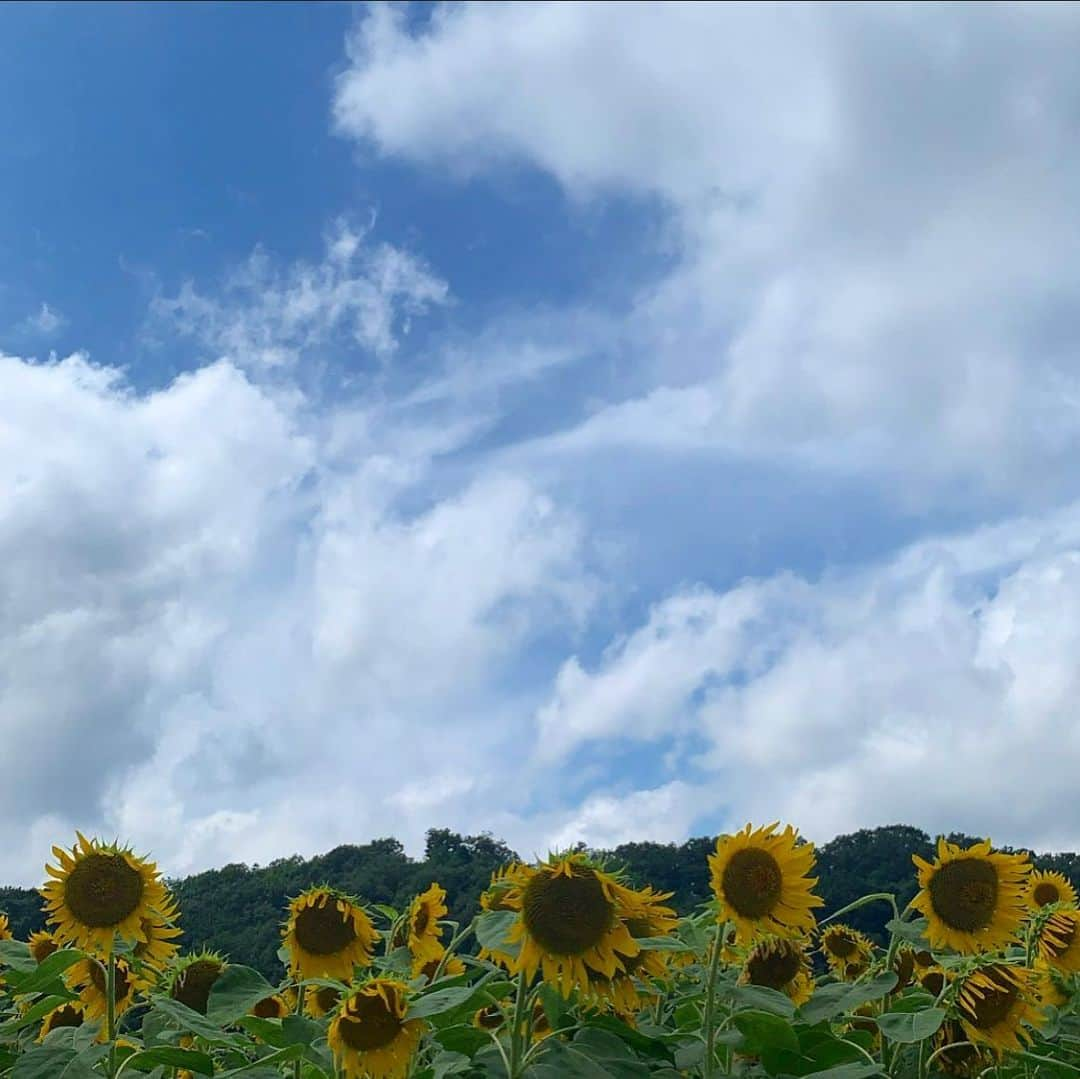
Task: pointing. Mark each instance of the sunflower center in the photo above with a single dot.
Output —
(566, 915)
(194, 983)
(42, 948)
(840, 944)
(267, 1008)
(992, 1007)
(102, 890)
(369, 1024)
(904, 967)
(99, 978)
(964, 894)
(421, 920)
(773, 967)
(324, 930)
(933, 982)
(326, 997)
(1045, 893)
(752, 882)
(489, 1018)
(67, 1016)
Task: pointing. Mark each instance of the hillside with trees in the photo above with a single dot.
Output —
(238, 909)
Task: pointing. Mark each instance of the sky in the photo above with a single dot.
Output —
(571, 422)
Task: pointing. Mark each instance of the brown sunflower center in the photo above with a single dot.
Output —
(326, 998)
(99, 978)
(904, 967)
(369, 1023)
(956, 1059)
(322, 929)
(752, 882)
(841, 944)
(193, 984)
(489, 1018)
(566, 915)
(1045, 893)
(421, 920)
(102, 890)
(964, 894)
(993, 1005)
(773, 966)
(933, 982)
(42, 948)
(268, 1008)
(67, 1016)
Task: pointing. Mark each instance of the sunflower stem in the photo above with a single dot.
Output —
(710, 999)
(301, 989)
(516, 1036)
(885, 897)
(110, 1010)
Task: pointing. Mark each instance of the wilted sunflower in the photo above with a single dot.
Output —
(89, 979)
(779, 963)
(1058, 940)
(761, 882)
(425, 933)
(66, 1015)
(570, 922)
(370, 1036)
(1046, 887)
(321, 1000)
(974, 899)
(275, 1007)
(42, 944)
(192, 977)
(994, 1002)
(328, 934)
(847, 951)
(958, 1056)
(101, 891)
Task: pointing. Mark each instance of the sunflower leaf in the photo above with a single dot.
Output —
(59, 1060)
(235, 992)
(45, 973)
(910, 1027)
(660, 944)
(493, 931)
(763, 999)
(840, 997)
(16, 954)
(763, 1030)
(173, 1057)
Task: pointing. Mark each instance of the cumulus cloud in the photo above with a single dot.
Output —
(872, 207)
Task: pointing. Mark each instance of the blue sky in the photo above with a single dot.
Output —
(673, 412)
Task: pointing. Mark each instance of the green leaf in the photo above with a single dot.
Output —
(910, 1027)
(694, 936)
(186, 1019)
(45, 973)
(282, 1056)
(763, 1030)
(462, 1038)
(387, 912)
(40, 1009)
(299, 1030)
(16, 954)
(59, 1060)
(493, 930)
(660, 944)
(848, 1071)
(170, 1056)
(235, 993)
(914, 932)
(839, 998)
(639, 1042)
(593, 1054)
(762, 999)
(266, 1030)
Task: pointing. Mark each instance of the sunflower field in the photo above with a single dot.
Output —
(566, 971)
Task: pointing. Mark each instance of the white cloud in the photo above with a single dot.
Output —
(935, 689)
(45, 323)
(266, 316)
(874, 209)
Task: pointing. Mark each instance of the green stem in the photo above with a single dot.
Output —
(449, 950)
(943, 1049)
(710, 1000)
(110, 1011)
(301, 989)
(885, 897)
(516, 1035)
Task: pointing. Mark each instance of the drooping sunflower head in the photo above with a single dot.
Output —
(328, 934)
(501, 881)
(761, 881)
(646, 916)
(958, 1056)
(974, 899)
(425, 932)
(193, 976)
(42, 944)
(66, 1015)
(452, 968)
(903, 966)
(995, 1004)
(321, 1000)
(490, 1017)
(89, 979)
(370, 1036)
(158, 947)
(847, 951)
(274, 1007)
(1058, 940)
(781, 964)
(1048, 887)
(570, 922)
(933, 980)
(101, 891)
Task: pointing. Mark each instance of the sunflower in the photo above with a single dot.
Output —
(328, 934)
(993, 1002)
(158, 947)
(89, 979)
(425, 933)
(503, 880)
(451, 968)
(42, 944)
(276, 1006)
(781, 964)
(974, 899)
(490, 1017)
(370, 1036)
(647, 916)
(933, 980)
(904, 967)
(1046, 887)
(847, 951)
(1051, 986)
(620, 994)
(5, 927)
(570, 922)
(321, 1000)
(66, 1015)
(99, 891)
(1058, 940)
(761, 882)
(192, 978)
(957, 1055)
